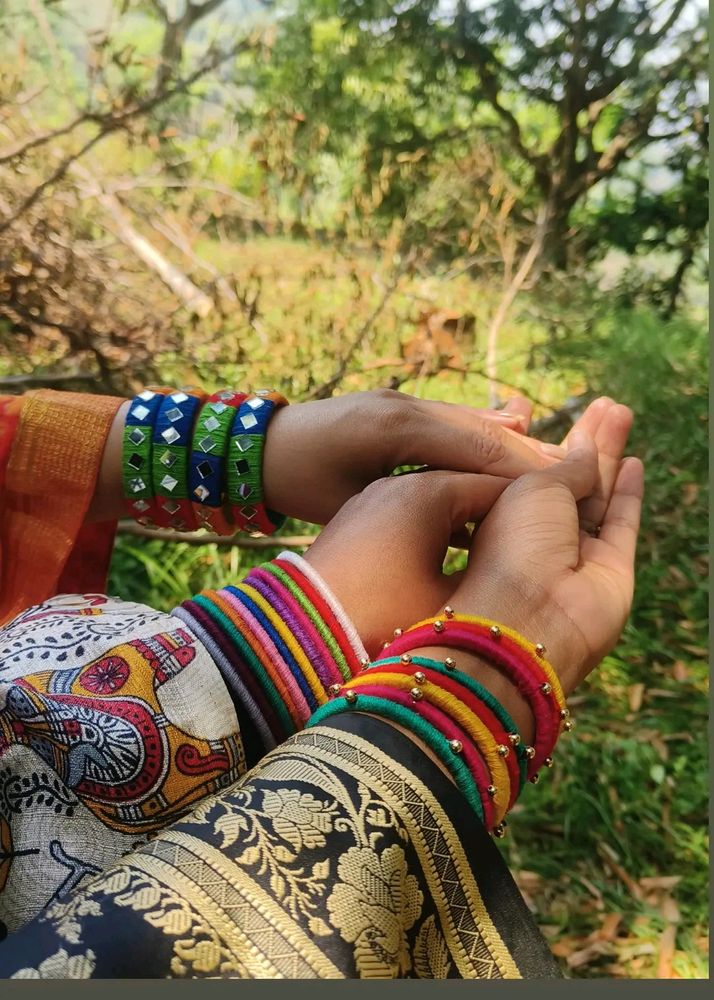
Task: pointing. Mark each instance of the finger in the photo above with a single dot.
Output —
(610, 440)
(592, 417)
(521, 407)
(505, 419)
(469, 496)
(621, 522)
(445, 436)
(578, 470)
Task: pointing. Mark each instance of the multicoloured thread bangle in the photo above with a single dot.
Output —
(207, 463)
(266, 670)
(271, 639)
(245, 463)
(494, 755)
(356, 653)
(324, 646)
(264, 615)
(425, 671)
(171, 441)
(223, 652)
(258, 634)
(137, 449)
(405, 716)
(253, 675)
(522, 662)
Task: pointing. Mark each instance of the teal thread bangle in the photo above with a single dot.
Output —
(270, 692)
(410, 720)
(476, 689)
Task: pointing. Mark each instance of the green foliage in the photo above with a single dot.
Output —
(634, 777)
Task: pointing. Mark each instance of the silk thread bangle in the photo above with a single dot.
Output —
(208, 457)
(448, 730)
(211, 635)
(545, 710)
(299, 625)
(251, 736)
(137, 452)
(474, 703)
(245, 463)
(255, 636)
(250, 682)
(545, 732)
(272, 652)
(332, 655)
(172, 435)
(274, 711)
(529, 648)
(480, 735)
(242, 599)
(304, 567)
(426, 732)
(297, 652)
(354, 662)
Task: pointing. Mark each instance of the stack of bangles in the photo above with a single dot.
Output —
(281, 641)
(195, 461)
(466, 727)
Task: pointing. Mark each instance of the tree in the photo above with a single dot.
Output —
(569, 92)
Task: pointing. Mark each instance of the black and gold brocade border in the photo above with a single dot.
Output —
(345, 853)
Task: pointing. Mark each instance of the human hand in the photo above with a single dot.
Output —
(534, 569)
(382, 554)
(319, 454)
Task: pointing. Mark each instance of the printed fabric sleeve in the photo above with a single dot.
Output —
(116, 719)
(346, 853)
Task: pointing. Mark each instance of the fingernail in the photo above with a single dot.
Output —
(552, 449)
(508, 418)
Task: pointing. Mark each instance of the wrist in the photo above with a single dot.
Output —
(107, 504)
(520, 606)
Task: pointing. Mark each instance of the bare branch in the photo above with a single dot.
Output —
(232, 542)
(19, 150)
(112, 124)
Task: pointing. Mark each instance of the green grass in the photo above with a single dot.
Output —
(628, 797)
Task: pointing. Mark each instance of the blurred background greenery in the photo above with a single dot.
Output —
(463, 200)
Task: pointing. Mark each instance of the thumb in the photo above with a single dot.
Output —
(579, 469)
(470, 496)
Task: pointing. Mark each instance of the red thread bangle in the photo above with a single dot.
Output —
(325, 612)
(544, 707)
(478, 707)
(473, 759)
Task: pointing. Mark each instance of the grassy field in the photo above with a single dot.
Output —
(611, 851)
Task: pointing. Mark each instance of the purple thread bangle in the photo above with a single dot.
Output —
(277, 661)
(299, 624)
(204, 631)
(338, 611)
